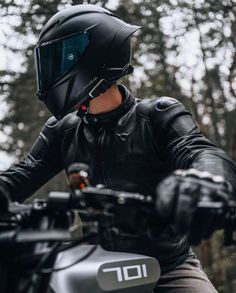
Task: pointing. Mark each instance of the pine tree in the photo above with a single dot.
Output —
(160, 69)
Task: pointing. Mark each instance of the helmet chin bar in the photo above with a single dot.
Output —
(113, 74)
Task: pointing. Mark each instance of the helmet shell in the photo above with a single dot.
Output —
(105, 59)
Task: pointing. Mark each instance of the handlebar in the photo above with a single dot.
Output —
(101, 200)
(91, 203)
(96, 196)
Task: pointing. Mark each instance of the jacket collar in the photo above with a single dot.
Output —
(114, 115)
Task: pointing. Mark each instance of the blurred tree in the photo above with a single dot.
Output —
(206, 31)
(185, 49)
(26, 115)
(155, 75)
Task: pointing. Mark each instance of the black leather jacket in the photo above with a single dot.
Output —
(130, 148)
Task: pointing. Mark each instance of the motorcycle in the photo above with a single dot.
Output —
(42, 248)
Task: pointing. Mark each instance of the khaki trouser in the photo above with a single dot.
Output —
(187, 277)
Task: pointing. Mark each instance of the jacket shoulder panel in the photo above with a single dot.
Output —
(165, 102)
(147, 106)
(68, 122)
(51, 122)
(57, 127)
(167, 113)
(162, 110)
(50, 134)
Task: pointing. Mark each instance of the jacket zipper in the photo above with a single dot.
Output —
(101, 150)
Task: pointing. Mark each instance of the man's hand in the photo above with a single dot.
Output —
(178, 196)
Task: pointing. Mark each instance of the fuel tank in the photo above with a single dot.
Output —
(78, 271)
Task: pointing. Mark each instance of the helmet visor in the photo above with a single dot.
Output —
(54, 59)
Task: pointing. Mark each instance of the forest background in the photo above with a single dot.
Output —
(186, 49)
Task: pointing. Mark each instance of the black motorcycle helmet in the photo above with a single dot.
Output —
(81, 52)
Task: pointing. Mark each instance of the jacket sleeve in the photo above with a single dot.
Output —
(41, 164)
(181, 142)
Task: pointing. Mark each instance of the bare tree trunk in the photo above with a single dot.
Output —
(209, 92)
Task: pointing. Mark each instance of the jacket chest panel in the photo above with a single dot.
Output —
(132, 160)
(77, 148)
(122, 158)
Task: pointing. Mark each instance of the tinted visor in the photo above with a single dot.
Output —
(54, 59)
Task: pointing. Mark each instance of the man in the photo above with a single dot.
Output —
(129, 144)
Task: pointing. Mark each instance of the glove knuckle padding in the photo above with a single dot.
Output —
(206, 188)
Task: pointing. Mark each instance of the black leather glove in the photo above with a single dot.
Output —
(4, 199)
(178, 197)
